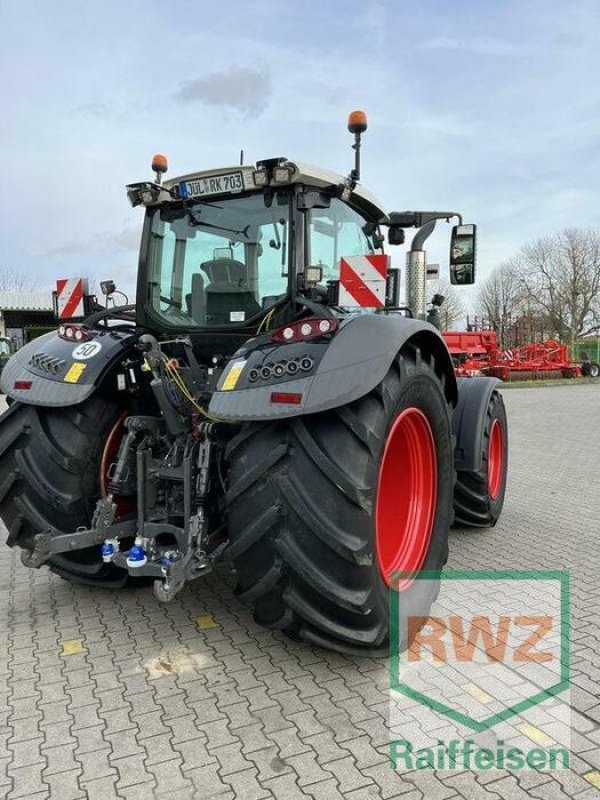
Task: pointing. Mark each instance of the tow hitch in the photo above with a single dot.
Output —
(190, 553)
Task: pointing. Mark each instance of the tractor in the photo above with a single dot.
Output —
(265, 407)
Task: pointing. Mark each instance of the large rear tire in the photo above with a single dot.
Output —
(50, 465)
(479, 494)
(312, 507)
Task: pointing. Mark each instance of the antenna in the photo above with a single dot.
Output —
(241, 158)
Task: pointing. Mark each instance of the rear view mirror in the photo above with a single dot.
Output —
(462, 254)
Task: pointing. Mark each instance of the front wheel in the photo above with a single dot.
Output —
(479, 494)
(323, 510)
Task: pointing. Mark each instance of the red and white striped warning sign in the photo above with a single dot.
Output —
(70, 294)
(363, 281)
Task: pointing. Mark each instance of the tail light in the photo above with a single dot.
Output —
(74, 333)
(305, 329)
(287, 398)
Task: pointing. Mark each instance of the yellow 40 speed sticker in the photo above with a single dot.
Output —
(232, 377)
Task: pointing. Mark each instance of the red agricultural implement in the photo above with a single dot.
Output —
(471, 351)
(477, 353)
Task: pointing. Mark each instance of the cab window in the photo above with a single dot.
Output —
(218, 262)
(335, 232)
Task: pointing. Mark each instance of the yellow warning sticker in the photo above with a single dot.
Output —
(235, 370)
(75, 372)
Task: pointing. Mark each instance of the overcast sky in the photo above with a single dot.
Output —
(492, 109)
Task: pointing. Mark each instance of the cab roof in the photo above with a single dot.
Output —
(303, 173)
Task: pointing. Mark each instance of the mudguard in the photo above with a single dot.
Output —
(349, 366)
(50, 371)
(468, 420)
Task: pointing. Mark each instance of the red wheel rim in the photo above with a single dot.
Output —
(406, 497)
(495, 460)
(124, 504)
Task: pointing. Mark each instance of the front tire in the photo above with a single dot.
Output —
(310, 511)
(50, 464)
(479, 494)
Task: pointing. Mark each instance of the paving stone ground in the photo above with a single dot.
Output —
(112, 695)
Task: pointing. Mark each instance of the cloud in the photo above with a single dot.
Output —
(244, 89)
(495, 116)
(128, 240)
(483, 46)
(67, 249)
(114, 106)
(371, 18)
(95, 109)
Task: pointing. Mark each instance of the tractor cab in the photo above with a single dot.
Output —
(228, 250)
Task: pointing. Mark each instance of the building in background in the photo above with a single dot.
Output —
(25, 315)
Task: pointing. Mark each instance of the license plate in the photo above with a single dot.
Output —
(215, 184)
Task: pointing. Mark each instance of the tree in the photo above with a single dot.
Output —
(452, 310)
(10, 280)
(500, 298)
(560, 275)
(500, 295)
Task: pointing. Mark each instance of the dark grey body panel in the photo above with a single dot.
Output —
(468, 420)
(47, 360)
(357, 359)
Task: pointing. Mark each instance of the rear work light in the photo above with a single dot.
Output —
(283, 173)
(305, 329)
(74, 333)
(261, 177)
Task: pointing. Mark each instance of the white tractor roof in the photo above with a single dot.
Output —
(304, 173)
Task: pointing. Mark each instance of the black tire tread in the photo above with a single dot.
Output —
(472, 505)
(49, 479)
(307, 572)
